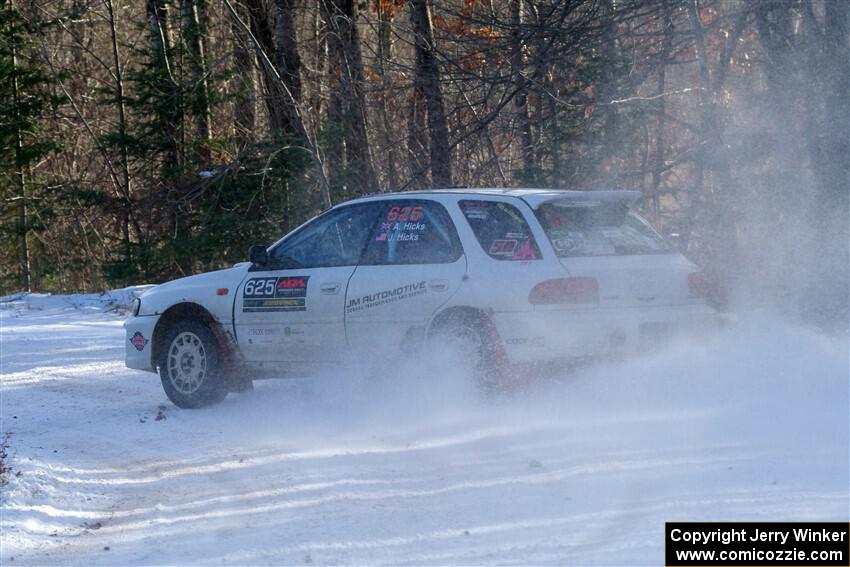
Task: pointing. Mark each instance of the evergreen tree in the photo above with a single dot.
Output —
(25, 97)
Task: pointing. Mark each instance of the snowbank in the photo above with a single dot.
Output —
(114, 301)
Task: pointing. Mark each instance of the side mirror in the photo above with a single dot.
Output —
(257, 255)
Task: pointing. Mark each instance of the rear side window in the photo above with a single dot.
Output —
(598, 229)
(412, 232)
(501, 230)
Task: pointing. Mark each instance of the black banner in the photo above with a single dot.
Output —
(692, 544)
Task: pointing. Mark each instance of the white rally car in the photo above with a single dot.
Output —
(518, 276)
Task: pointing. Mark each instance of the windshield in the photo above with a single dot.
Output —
(597, 229)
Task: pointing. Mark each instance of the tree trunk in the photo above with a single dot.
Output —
(608, 92)
(286, 59)
(385, 57)
(276, 98)
(521, 97)
(22, 228)
(122, 134)
(157, 19)
(428, 86)
(348, 107)
(320, 50)
(303, 135)
(706, 106)
(244, 112)
(658, 167)
(193, 34)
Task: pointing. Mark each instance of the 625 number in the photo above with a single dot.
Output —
(260, 287)
(404, 214)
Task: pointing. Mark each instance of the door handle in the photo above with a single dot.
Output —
(438, 285)
(330, 288)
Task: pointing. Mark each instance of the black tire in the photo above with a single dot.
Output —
(471, 334)
(190, 366)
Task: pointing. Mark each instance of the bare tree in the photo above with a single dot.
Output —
(287, 59)
(193, 36)
(521, 99)
(385, 61)
(160, 41)
(20, 177)
(351, 152)
(244, 108)
(429, 90)
(121, 104)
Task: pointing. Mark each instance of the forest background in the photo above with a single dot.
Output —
(142, 141)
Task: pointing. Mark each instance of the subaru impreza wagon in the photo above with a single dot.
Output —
(516, 276)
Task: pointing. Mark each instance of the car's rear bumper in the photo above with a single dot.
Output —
(138, 343)
(581, 333)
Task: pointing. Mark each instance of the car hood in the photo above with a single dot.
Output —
(205, 289)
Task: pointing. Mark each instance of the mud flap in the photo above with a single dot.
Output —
(236, 378)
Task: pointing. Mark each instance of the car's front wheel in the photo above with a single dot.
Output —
(190, 366)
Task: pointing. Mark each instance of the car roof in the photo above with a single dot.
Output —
(534, 197)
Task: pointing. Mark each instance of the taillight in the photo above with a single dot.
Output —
(565, 290)
(697, 285)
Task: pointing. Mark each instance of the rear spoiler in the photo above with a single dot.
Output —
(583, 198)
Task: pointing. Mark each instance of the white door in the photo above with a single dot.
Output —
(412, 265)
(293, 309)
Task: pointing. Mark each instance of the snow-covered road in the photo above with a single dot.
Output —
(403, 465)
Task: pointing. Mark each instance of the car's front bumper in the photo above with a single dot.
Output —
(138, 343)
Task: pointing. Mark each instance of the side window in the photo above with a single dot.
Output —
(501, 230)
(334, 239)
(413, 232)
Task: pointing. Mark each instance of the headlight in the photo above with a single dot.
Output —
(135, 306)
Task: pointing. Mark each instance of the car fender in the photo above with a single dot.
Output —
(213, 291)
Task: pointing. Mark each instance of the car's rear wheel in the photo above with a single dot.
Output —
(467, 336)
(190, 366)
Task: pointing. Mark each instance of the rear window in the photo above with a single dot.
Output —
(597, 229)
(501, 230)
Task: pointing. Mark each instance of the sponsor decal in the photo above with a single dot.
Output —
(262, 335)
(371, 300)
(563, 244)
(476, 209)
(402, 224)
(526, 252)
(274, 335)
(400, 231)
(138, 341)
(511, 212)
(503, 247)
(288, 293)
(263, 331)
(531, 341)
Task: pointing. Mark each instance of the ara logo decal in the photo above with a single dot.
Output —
(139, 341)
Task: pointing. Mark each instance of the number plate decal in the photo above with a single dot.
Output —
(275, 294)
